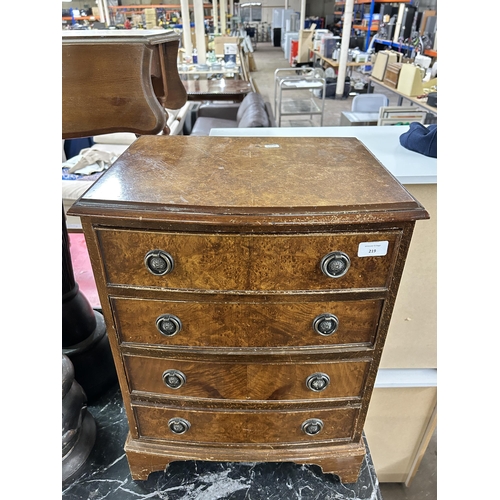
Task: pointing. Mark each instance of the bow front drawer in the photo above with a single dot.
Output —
(253, 323)
(271, 381)
(248, 262)
(215, 426)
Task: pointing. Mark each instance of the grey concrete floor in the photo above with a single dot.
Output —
(267, 59)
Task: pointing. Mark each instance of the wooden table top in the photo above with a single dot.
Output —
(223, 89)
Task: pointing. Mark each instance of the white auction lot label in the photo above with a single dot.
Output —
(373, 248)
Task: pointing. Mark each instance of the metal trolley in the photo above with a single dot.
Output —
(293, 79)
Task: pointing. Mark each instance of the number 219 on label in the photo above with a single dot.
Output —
(373, 248)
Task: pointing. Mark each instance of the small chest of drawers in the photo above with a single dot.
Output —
(247, 286)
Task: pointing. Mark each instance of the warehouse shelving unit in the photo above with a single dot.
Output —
(360, 7)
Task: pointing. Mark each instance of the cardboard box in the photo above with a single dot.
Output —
(150, 18)
(219, 42)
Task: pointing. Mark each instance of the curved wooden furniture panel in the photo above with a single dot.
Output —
(271, 381)
(226, 324)
(118, 82)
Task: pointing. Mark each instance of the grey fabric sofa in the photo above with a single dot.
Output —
(253, 111)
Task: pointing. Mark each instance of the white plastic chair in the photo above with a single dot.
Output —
(369, 103)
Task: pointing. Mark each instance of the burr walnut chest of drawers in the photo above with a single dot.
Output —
(247, 286)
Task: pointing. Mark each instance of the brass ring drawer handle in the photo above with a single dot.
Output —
(325, 324)
(178, 425)
(312, 426)
(168, 324)
(174, 379)
(159, 262)
(318, 382)
(335, 264)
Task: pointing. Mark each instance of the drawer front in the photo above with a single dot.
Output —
(246, 381)
(249, 324)
(246, 262)
(213, 426)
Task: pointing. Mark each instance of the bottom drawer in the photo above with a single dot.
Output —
(250, 426)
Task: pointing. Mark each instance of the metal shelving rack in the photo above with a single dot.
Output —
(359, 7)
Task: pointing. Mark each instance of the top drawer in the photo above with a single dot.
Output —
(249, 262)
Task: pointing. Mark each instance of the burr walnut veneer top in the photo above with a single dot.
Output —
(249, 176)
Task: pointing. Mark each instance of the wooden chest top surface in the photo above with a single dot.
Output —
(240, 175)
